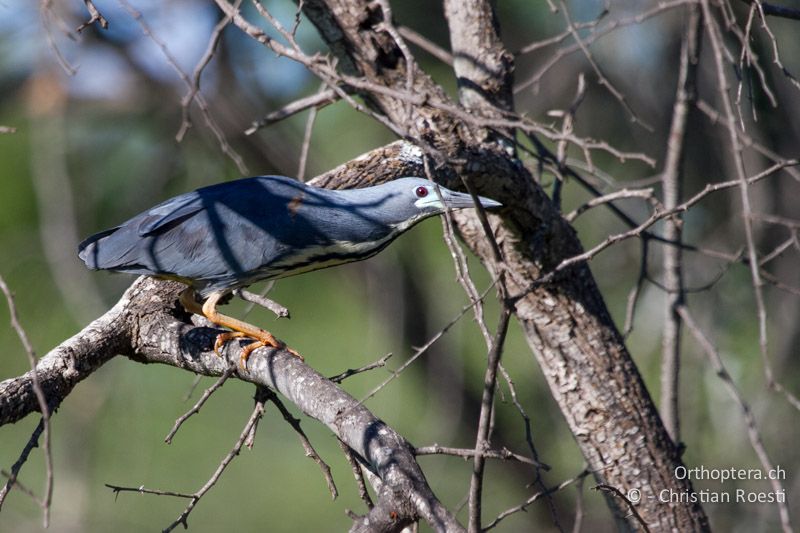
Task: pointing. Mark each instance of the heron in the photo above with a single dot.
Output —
(227, 236)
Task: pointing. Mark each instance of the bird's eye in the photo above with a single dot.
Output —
(421, 192)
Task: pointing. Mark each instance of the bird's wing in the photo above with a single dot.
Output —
(169, 213)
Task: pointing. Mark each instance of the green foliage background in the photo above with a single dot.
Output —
(119, 153)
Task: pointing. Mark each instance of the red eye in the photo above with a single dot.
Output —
(421, 192)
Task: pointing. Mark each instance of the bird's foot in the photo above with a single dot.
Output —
(264, 339)
(223, 338)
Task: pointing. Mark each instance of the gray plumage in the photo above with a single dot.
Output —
(233, 234)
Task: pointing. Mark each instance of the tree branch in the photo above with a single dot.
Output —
(147, 325)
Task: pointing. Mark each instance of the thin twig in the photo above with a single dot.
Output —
(338, 378)
(615, 491)
(260, 400)
(426, 44)
(309, 129)
(601, 77)
(713, 30)
(350, 456)
(44, 408)
(597, 33)
(95, 16)
(673, 259)
(578, 522)
(636, 290)
(503, 454)
(22, 488)
(389, 27)
(424, 348)
(309, 449)
(202, 104)
(610, 197)
(46, 12)
(211, 50)
(260, 300)
(657, 215)
(32, 443)
(315, 101)
(524, 505)
(482, 441)
(257, 413)
(747, 141)
(117, 489)
(714, 358)
(196, 407)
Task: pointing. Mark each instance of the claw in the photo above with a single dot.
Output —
(223, 338)
(247, 350)
(268, 341)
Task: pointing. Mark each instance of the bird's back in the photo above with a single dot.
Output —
(235, 233)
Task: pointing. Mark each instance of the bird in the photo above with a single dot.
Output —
(227, 236)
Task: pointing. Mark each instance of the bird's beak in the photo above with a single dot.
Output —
(458, 200)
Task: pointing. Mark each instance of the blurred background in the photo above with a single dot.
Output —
(96, 116)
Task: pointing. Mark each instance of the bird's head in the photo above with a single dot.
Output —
(405, 201)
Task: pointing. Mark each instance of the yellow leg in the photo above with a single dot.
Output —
(240, 328)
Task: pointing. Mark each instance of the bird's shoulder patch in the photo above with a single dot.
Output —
(295, 203)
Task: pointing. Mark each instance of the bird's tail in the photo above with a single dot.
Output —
(93, 255)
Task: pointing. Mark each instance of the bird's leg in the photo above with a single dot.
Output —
(240, 329)
(189, 302)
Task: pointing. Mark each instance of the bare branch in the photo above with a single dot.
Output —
(95, 16)
(503, 454)
(258, 412)
(357, 474)
(198, 96)
(196, 407)
(715, 38)
(713, 356)
(46, 14)
(315, 101)
(636, 290)
(194, 88)
(673, 268)
(279, 310)
(309, 449)
(426, 44)
(117, 489)
(44, 407)
(601, 77)
(483, 434)
(338, 378)
(309, 129)
(22, 488)
(610, 197)
(616, 492)
(523, 506)
(424, 348)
